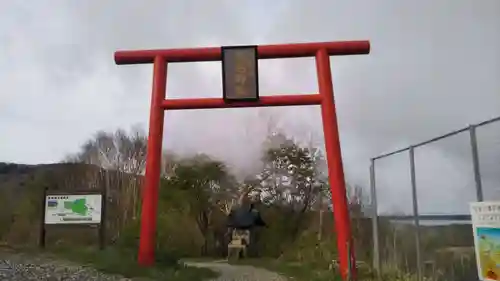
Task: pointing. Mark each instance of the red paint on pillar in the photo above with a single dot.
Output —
(334, 160)
(153, 158)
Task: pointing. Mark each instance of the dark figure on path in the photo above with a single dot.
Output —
(245, 218)
(241, 223)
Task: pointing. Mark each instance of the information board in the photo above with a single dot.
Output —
(73, 209)
(240, 81)
(486, 228)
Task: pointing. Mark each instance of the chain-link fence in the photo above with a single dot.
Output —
(419, 202)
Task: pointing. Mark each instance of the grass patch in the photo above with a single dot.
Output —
(202, 259)
(123, 262)
(297, 271)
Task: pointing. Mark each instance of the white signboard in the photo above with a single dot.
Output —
(486, 228)
(73, 209)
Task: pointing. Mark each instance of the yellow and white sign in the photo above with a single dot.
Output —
(486, 228)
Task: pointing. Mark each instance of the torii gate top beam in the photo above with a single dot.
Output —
(297, 50)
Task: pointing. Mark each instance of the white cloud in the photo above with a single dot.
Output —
(434, 67)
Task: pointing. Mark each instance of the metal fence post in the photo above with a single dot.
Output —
(375, 222)
(415, 212)
(475, 163)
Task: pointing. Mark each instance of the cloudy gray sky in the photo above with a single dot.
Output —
(434, 67)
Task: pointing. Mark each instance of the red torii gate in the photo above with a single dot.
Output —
(321, 51)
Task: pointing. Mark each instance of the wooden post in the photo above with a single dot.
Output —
(102, 225)
(41, 237)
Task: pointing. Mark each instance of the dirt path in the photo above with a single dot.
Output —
(230, 272)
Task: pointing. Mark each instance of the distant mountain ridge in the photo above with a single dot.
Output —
(10, 168)
(53, 175)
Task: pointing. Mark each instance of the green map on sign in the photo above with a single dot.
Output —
(78, 206)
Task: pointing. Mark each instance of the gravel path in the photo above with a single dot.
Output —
(230, 272)
(15, 266)
(21, 267)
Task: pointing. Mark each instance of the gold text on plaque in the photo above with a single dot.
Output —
(242, 74)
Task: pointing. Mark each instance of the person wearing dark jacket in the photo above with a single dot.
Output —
(243, 218)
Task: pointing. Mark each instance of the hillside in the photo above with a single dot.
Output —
(180, 228)
(16, 176)
(21, 189)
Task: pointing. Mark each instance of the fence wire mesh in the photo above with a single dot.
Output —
(420, 199)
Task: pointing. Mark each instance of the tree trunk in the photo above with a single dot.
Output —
(320, 225)
(320, 218)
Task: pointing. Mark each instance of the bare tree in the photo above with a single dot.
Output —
(121, 151)
(235, 194)
(123, 155)
(169, 162)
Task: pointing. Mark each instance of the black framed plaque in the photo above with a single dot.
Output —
(240, 73)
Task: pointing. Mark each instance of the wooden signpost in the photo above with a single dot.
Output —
(75, 209)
